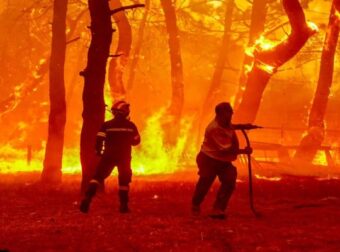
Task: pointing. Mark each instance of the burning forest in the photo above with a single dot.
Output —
(155, 99)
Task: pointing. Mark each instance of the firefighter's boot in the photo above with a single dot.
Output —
(89, 194)
(124, 200)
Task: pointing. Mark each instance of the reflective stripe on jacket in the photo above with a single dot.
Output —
(116, 137)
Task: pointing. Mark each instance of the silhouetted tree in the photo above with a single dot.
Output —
(177, 99)
(94, 78)
(311, 142)
(266, 61)
(138, 46)
(57, 118)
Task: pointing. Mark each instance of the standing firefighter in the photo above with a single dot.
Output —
(113, 144)
(220, 147)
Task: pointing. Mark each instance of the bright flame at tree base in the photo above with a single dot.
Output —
(153, 156)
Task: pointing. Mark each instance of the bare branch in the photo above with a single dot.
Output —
(72, 40)
(115, 55)
(128, 7)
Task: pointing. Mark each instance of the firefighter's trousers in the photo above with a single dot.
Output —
(104, 169)
(209, 168)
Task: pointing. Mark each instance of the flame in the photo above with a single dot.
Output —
(249, 51)
(264, 44)
(14, 160)
(268, 178)
(151, 157)
(215, 4)
(329, 177)
(270, 69)
(320, 159)
(314, 27)
(260, 45)
(337, 14)
(247, 69)
(154, 156)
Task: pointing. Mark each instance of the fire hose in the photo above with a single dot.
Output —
(243, 128)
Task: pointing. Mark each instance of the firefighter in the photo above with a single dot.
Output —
(220, 147)
(113, 144)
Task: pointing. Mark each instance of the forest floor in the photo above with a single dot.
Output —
(298, 214)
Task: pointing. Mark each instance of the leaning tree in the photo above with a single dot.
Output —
(312, 141)
(267, 60)
(257, 24)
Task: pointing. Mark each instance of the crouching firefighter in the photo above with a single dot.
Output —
(113, 144)
(220, 147)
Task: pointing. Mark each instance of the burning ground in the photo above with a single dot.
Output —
(299, 214)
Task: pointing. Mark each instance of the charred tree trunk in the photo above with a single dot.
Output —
(177, 100)
(94, 78)
(57, 117)
(310, 143)
(266, 61)
(258, 20)
(119, 61)
(139, 43)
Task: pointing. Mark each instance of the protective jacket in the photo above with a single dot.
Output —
(116, 137)
(220, 143)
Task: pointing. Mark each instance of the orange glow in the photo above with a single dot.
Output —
(320, 159)
(261, 44)
(313, 26)
(267, 178)
(152, 157)
(14, 160)
(264, 44)
(215, 4)
(265, 67)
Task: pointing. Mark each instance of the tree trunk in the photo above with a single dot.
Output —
(258, 20)
(94, 78)
(266, 61)
(57, 117)
(215, 85)
(310, 143)
(119, 61)
(139, 43)
(177, 100)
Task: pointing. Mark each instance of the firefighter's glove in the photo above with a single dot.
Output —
(246, 150)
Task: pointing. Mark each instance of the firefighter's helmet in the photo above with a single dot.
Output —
(121, 108)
